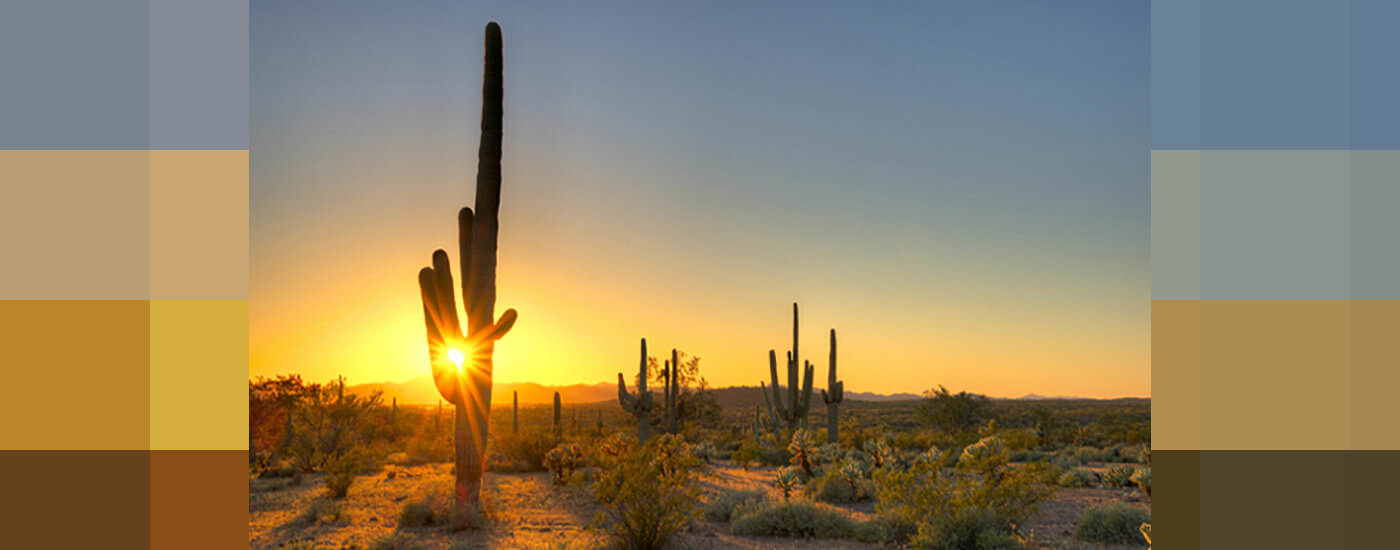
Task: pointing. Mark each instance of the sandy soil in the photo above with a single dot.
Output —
(528, 511)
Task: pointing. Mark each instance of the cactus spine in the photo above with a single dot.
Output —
(833, 399)
(462, 362)
(639, 405)
(794, 413)
(556, 416)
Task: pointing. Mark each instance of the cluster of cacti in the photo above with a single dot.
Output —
(794, 412)
(639, 405)
(562, 460)
(462, 361)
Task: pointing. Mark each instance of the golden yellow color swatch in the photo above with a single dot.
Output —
(1375, 375)
(1273, 374)
(75, 374)
(1176, 374)
(199, 225)
(199, 374)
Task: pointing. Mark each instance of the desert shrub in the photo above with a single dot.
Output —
(721, 507)
(326, 424)
(1143, 478)
(704, 451)
(1119, 476)
(650, 493)
(1020, 438)
(1076, 478)
(1113, 524)
(1028, 456)
(417, 513)
(979, 528)
(522, 452)
(322, 511)
(1065, 461)
(843, 485)
(884, 530)
(1085, 455)
(396, 541)
(746, 455)
(562, 461)
(792, 519)
(340, 474)
(980, 501)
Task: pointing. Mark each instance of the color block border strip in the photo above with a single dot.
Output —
(1274, 499)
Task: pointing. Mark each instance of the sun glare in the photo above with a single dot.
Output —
(456, 357)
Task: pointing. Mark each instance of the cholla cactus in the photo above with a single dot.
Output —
(794, 412)
(829, 453)
(881, 452)
(930, 458)
(704, 451)
(639, 405)
(802, 448)
(987, 456)
(562, 461)
(1143, 479)
(788, 479)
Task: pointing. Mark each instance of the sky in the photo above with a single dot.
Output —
(960, 189)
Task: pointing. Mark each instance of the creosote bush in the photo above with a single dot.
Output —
(1113, 524)
(417, 513)
(649, 493)
(795, 518)
(1077, 478)
(721, 507)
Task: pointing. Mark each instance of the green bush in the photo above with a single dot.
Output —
(842, 485)
(649, 493)
(1119, 476)
(721, 507)
(979, 501)
(967, 528)
(885, 530)
(340, 474)
(1143, 478)
(792, 519)
(1113, 524)
(417, 513)
(1077, 478)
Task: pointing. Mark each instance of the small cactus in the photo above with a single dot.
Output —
(556, 416)
(639, 405)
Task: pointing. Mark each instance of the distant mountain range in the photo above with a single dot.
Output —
(421, 391)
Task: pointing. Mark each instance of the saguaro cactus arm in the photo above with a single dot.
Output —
(639, 405)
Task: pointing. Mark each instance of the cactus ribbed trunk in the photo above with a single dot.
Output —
(639, 405)
(833, 395)
(556, 417)
(462, 360)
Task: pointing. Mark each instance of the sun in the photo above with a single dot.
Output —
(456, 357)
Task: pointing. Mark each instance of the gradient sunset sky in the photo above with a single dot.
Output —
(960, 189)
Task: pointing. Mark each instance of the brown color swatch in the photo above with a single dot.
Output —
(199, 499)
(75, 499)
(1375, 375)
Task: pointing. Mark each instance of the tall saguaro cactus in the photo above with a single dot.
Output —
(838, 392)
(671, 375)
(639, 405)
(462, 362)
(794, 413)
(515, 412)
